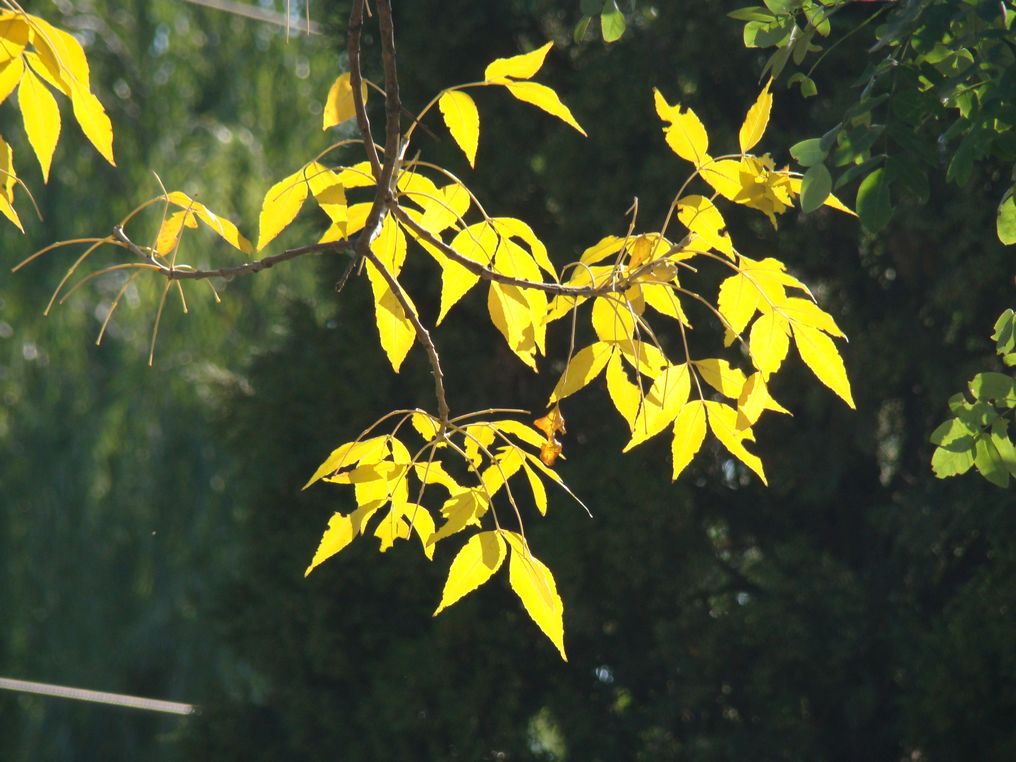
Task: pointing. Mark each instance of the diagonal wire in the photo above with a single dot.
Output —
(255, 13)
(97, 697)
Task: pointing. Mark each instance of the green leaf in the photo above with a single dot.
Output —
(1005, 222)
(808, 152)
(1004, 334)
(611, 22)
(582, 28)
(947, 463)
(816, 186)
(989, 463)
(993, 386)
(807, 84)
(874, 206)
(761, 34)
(752, 13)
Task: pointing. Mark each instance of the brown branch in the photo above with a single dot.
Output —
(248, 268)
(355, 82)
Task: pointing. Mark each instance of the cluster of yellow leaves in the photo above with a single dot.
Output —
(661, 392)
(391, 483)
(35, 57)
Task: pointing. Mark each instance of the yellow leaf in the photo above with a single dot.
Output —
(661, 297)
(737, 302)
(723, 423)
(756, 120)
(519, 430)
(753, 401)
(543, 98)
(623, 393)
(461, 509)
(169, 232)
(394, 328)
(391, 528)
(685, 135)
(472, 566)
(661, 405)
(724, 175)
(520, 67)
(422, 523)
(535, 587)
(505, 466)
(584, 366)
(8, 179)
(769, 342)
(280, 206)
(820, 354)
(701, 217)
(339, 534)
(689, 433)
(10, 76)
(477, 242)
(539, 493)
(719, 374)
(339, 103)
(222, 227)
(48, 71)
(369, 450)
(425, 425)
(62, 52)
(13, 37)
(612, 318)
(511, 314)
(643, 357)
(600, 251)
(463, 120)
(94, 122)
(513, 228)
(433, 472)
(446, 207)
(42, 119)
(805, 311)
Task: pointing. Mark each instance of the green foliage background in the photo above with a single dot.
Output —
(152, 532)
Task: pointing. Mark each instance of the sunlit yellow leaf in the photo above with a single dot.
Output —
(723, 424)
(601, 250)
(612, 318)
(584, 366)
(221, 226)
(753, 401)
(519, 430)
(461, 510)
(719, 374)
(42, 119)
(769, 342)
(62, 51)
(535, 587)
(463, 120)
(425, 425)
(737, 302)
(94, 122)
(13, 37)
(421, 522)
(724, 175)
(472, 566)
(689, 433)
(512, 316)
(339, 534)
(433, 472)
(10, 76)
(643, 357)
(339, 103)
(369, 450)
(625, 395)
(8, 179)
(536, 485)
(685, 135)
(661, 405)
(514, 228)
(519, 67)
(446, 207)
(661, 297)
(701, 217)
(756, 120)
(820, 354)
(805, 311)
(280, 206)
(544, 98)
(507, 463)
(48, 70)
(394, 328)
(391, 528)
(169, 232)
(477, 242)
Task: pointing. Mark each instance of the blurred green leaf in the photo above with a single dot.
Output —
(874, 205)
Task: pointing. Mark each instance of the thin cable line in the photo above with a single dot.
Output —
(96, 697)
